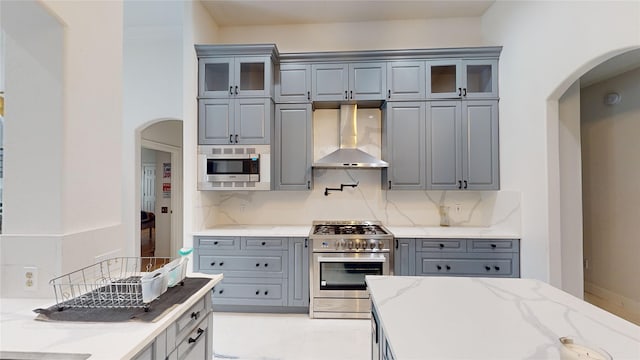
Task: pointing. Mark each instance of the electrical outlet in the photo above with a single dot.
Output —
(458, 208)
(30, 278)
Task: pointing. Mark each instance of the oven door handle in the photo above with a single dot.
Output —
(376, 259)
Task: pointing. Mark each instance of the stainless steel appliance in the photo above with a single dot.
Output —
(234, 167)
(343, 253)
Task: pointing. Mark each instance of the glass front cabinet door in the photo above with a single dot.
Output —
(235, 77)
(462, 79)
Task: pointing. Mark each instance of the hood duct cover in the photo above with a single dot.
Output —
(348, 155)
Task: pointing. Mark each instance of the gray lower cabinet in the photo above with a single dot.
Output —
(259, 272)
(234, 121)
(403, 146)
(458, 257)
(404, 257)
(293, 147)
(462, 145)
(187, 338)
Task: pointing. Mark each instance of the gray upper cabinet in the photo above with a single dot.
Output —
(344, 82)
(234, 121)
(293, 147)
(406, 80)
(229, 77)
(293, 84)
(463, 145)
(462, 79)
(403, 146)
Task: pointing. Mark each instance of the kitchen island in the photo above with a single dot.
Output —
(20, 332)
(488, 318)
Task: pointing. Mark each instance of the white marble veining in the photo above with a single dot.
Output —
(491, 318)
(397, 231)
(19, 331)
(370, 200)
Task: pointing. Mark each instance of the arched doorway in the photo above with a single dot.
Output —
(573, 228)
(160, 201)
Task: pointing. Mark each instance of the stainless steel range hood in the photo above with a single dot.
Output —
(348, 155)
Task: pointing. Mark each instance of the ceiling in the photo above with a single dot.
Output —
(286, 12)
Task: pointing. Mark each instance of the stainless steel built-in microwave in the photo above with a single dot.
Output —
(234, 167)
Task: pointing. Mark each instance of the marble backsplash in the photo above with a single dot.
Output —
(367, 201)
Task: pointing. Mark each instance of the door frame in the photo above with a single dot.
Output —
(176, 190)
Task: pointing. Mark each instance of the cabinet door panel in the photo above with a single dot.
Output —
(480, 157)
(264, 243)
(404, 258)
(367, 81)
(252, 121)
(253, 76)
(293, 150)
(216, 77)
(405, 80)
(405, 145)
(247, 291)
(215, 121)
(444, 156)
(330, 82)
(294, 83)
(444, 79)
(298, 272)
(480, 78)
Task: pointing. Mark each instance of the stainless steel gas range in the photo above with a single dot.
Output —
(343, 253)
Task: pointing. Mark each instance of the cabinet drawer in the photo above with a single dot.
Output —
(493, 245)
(221, 243)
(244, 265)
(465, 267)
(447, 245)
(264, 243)
(248, 291)
(194, 345)
(187, 321)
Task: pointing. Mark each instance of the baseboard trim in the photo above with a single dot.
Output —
(612, 297)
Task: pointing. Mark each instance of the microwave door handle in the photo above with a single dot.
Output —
(376, 259)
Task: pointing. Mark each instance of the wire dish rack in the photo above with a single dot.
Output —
(122, 282)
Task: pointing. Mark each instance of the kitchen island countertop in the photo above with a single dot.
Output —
(397, 231)
(491, 318)
(19, 331)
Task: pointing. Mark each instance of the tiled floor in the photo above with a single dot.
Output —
(243, 336)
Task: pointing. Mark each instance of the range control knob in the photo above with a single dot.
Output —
(350, 244)
(380, 244)
(339, 244)
(372, 245)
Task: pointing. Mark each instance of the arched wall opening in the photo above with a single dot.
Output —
(163, 139)
(566, 221)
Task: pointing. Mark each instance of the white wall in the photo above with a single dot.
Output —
(547, 46)
(153, 89)
(569, 168)
(64, 108)
(407, 34)
(611, 145)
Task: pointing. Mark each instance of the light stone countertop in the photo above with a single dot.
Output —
(19, 331)
(397, 231)
(491, 318)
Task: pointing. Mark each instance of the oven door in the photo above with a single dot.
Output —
(342, 274)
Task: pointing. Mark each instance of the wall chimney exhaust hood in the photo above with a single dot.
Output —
(348, 156)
